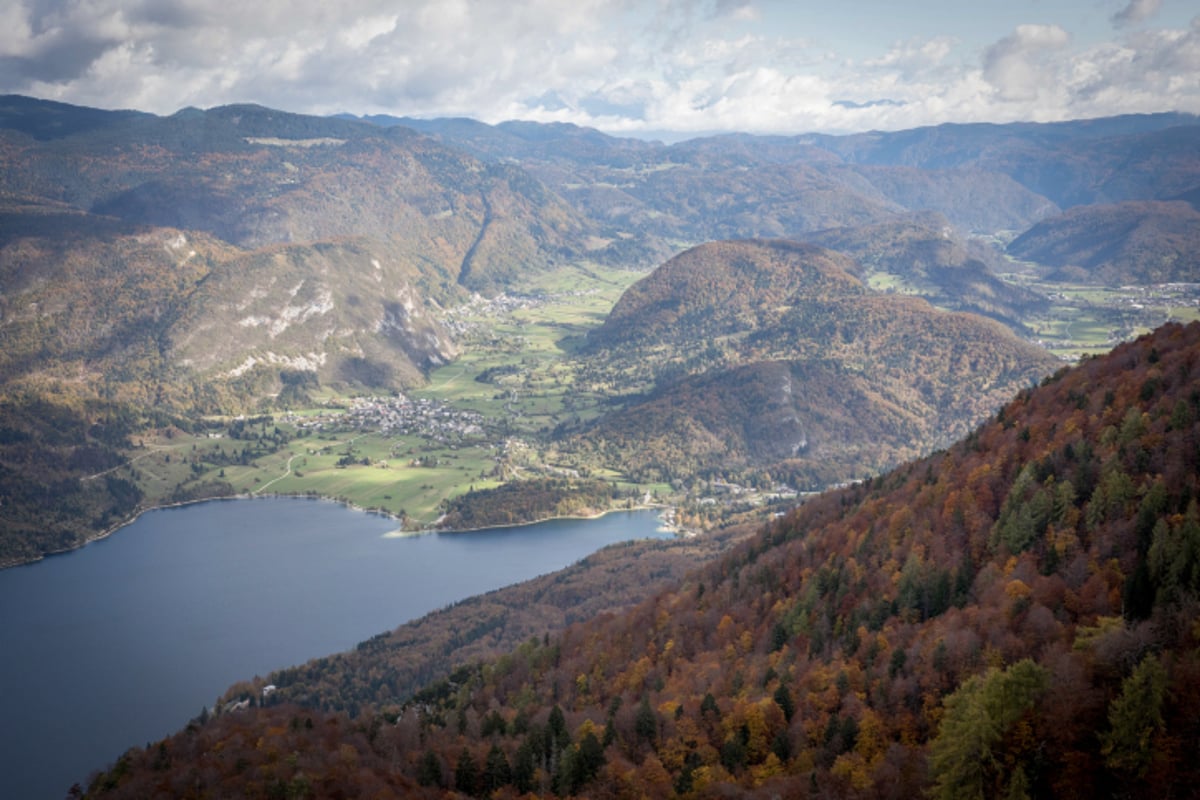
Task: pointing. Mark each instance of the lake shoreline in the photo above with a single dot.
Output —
(556, 518)
(399, 533)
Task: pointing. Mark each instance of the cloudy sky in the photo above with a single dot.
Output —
(625, 66)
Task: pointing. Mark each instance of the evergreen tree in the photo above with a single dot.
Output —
(558, 735)
(525, 765)
(430, 771)
(783, 698)
(1136, 717)
(645, 723)
(466, 773)
(496, 772)
(493, 723)
(590, 759)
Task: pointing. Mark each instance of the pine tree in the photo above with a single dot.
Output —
(496, 772)
(645, 723)
(430, 772)
(783, 698)
(466, 773)
(525, 765)
(1135, 716)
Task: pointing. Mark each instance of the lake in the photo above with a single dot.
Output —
(123, 641)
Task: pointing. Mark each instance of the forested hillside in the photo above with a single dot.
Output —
(1014, 616)
(925, 253)
(1133, 242)
(773, 354)
(983, 177)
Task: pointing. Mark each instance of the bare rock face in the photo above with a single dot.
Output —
(348, 313)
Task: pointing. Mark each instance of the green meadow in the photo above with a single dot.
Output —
(516, 371)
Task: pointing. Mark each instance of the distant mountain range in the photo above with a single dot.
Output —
(981, 176)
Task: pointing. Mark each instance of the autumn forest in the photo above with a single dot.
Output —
(1014, 616)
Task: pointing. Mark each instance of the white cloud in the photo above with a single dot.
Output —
(1134, 76)
(915, 54)
(16, 35)
(1017, 65)
(738, 9)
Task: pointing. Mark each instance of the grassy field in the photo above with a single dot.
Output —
(887, 281)
(516, 372)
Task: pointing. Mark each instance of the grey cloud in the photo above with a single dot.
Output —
(58, 58)
(62, 41)
(1136, 11)
(166, 15)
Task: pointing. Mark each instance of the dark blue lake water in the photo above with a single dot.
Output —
(122, 642)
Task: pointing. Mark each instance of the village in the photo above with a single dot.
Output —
(397, 415)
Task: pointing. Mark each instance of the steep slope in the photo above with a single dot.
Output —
(1015, 615)
(89, 299)
(1134, 242)
(353, 313)
(810, 423)
(86, 307)
(423, 651)
(151, 311)
(789, 361)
